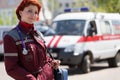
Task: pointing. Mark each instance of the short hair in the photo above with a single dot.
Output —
(26, 3)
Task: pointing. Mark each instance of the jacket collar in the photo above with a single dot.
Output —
(25, 27)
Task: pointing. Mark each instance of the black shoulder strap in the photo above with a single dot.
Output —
(49, 53)
(41, 37)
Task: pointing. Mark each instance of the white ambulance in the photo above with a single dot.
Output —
(81, 38)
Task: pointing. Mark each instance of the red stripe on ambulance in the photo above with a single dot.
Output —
(56, 43)
(51, 41)
(96, 38)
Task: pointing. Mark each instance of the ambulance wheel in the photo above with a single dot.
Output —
(114, 62)
(86, 65)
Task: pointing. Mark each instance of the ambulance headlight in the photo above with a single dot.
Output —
(69, 48)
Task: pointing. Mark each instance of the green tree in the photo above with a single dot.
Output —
(101, 5)
(1, 21)
(109, 5)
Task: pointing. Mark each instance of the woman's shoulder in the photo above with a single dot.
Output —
(13, 33)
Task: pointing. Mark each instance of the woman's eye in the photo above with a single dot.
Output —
(30, 11)
(36, 12)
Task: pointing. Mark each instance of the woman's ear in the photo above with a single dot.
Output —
(20, 13)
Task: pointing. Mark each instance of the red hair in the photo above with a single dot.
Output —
(26, 3)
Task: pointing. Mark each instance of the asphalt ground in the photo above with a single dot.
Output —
(99, 71)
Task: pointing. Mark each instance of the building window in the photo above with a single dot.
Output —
(67, 5)
(60, 4)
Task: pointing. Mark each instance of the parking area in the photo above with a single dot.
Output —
(99, 72)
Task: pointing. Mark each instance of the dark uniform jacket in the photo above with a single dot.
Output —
(35, 65)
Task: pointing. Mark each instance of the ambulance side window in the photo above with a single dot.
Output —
(116, 26)
(105, 27)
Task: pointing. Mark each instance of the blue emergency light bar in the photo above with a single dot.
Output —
(67, 10)
(83, 9)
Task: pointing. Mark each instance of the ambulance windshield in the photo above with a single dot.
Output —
(68, 27)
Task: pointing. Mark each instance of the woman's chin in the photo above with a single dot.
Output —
(30, 22)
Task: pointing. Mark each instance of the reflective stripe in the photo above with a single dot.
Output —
(11, 54)
(20, 42)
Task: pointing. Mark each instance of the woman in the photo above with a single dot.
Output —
(25, 52)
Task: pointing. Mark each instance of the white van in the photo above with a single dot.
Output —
(3, 30)
(82, 38)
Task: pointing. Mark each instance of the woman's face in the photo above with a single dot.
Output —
(30, 14)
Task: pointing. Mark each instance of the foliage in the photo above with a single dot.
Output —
(112, 6)
(1, 21)
(109, 5)
(8, 18)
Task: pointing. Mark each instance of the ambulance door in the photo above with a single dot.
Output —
(93, 43)
(104, 45)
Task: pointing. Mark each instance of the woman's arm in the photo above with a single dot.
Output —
(12, 65)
